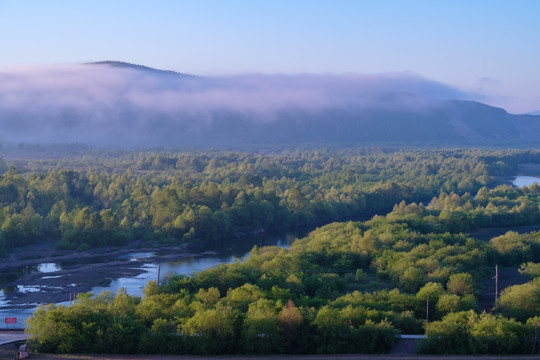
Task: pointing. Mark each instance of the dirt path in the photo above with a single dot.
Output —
(508, 276)
(486, 234)
(281, 357)
(8, 352)
(10, 336)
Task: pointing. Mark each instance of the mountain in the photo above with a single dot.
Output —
(125, 105)
(124, 65)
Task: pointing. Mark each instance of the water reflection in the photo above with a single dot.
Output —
(133, 285)
(186, 266)
(48, 267)
(136, 256)
(11, 275)
(28, 289)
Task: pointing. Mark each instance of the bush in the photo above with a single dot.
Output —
(471, 333)
(530, 270)
(521, 301)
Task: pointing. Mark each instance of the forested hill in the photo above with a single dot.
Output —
(118, 104)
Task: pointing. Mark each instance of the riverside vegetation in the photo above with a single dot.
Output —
(349, 286)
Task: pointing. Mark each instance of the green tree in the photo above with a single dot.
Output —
(461, 284)
(454, 303)
(260, 328)
(412, 279)
(521, 301)
(530, 270)
(211, 331)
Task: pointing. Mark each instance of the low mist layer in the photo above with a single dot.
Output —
(117, 104)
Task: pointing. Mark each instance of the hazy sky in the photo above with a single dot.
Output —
(490, 47)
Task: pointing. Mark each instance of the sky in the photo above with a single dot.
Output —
(489, 49)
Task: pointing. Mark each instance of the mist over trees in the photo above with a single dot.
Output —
(118, 104)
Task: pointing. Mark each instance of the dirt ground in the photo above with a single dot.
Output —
(9, 351)
(285, 357)
(508, 276)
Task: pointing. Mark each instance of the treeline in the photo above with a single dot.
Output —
(205, 323)
(346, 287)
(110, 198)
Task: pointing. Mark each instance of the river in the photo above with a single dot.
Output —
(523, 180)
(189, 265)
(225, 253)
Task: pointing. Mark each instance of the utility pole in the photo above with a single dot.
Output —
(427, 308)
(72, 297)
(535, 336)
(158, 271)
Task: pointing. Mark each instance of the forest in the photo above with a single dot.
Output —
(391, 250)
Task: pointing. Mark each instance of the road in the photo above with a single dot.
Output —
(7, 336)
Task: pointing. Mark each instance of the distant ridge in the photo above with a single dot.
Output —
(126, 65)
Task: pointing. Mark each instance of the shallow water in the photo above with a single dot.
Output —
(10, 276)
(224, 253)
(48, 267)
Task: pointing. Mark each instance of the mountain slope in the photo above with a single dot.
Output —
(120, 104)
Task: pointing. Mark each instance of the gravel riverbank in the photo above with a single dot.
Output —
(81, 271)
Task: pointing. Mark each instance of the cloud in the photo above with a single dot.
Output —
(105, 104)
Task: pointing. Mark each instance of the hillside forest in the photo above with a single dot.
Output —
(392, 249)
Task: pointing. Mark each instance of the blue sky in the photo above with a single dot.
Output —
(491, 48)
